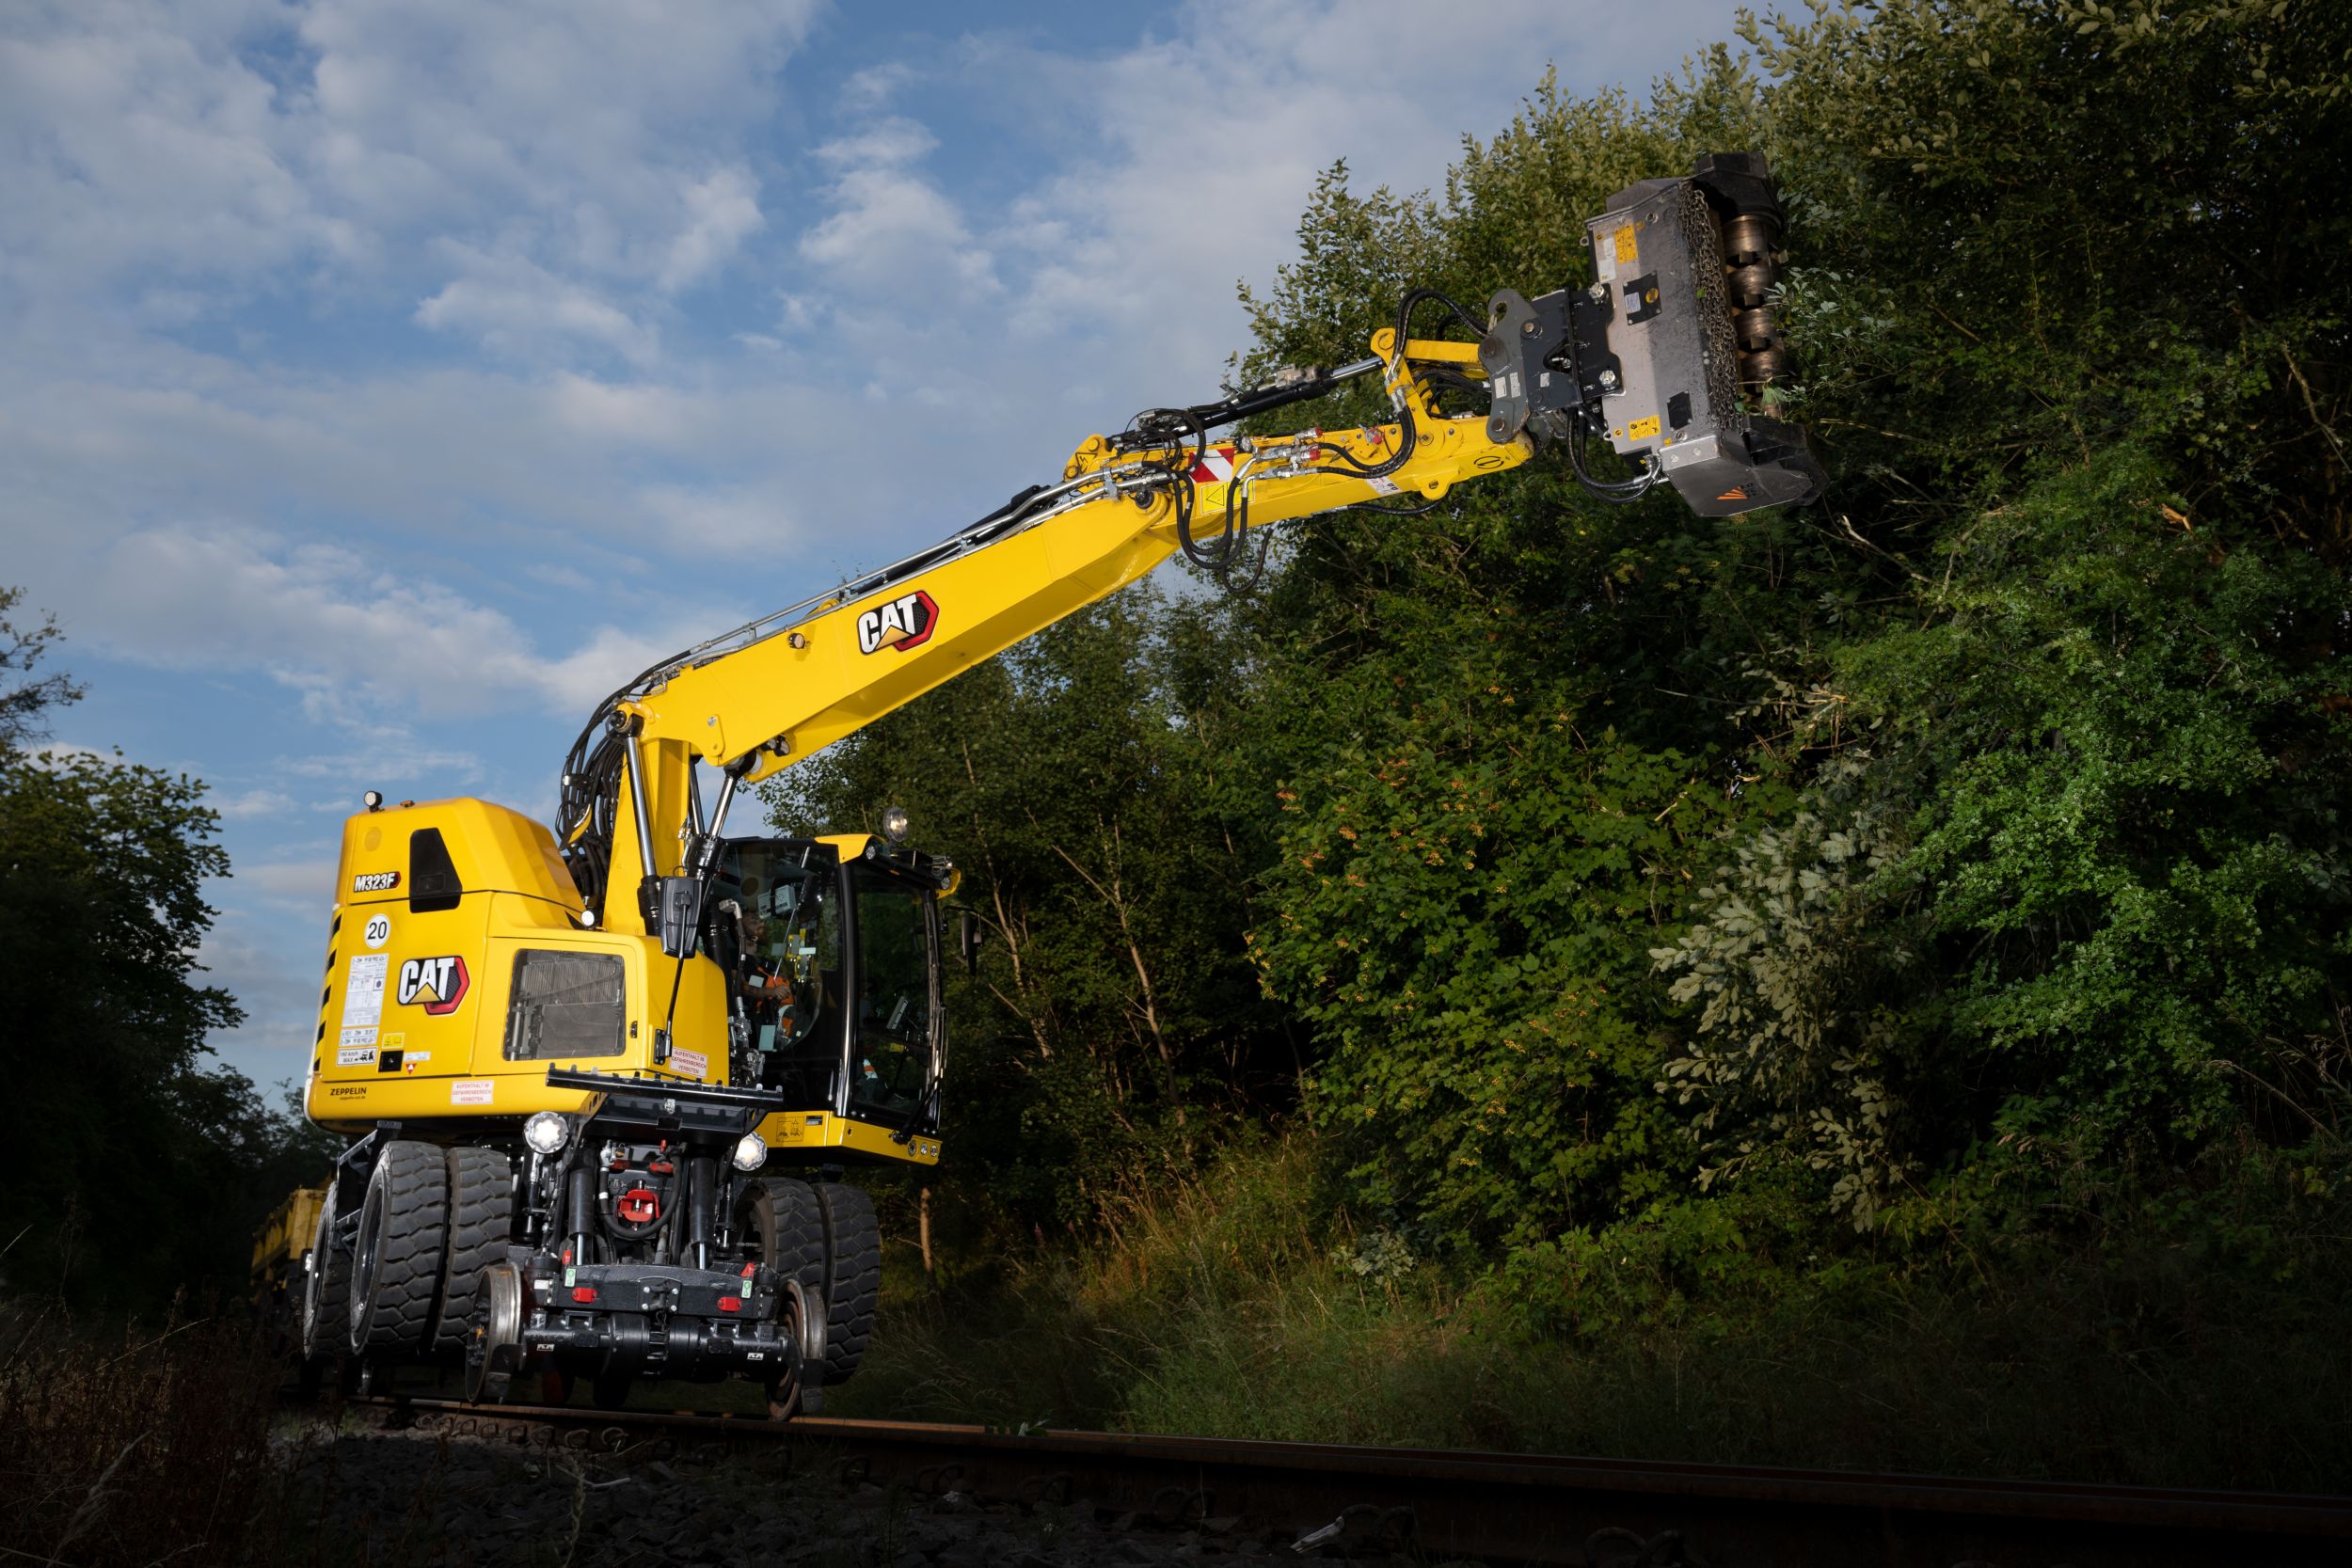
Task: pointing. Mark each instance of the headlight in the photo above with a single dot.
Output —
(751, 1152)
(895, 824)
(547, 1132)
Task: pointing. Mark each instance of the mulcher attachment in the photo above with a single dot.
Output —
(1672, 350)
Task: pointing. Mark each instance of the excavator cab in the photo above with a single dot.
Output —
(831, 949)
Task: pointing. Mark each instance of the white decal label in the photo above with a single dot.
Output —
(437, 985)
(364, 996)
(377, 932)
(376, 882)
(903, 623)
(472, 1091)
(692, 1062)
(1386, 486)
(348, 1056)
(356, 1036)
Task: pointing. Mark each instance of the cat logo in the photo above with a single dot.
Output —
(904, 622)
(437, 985)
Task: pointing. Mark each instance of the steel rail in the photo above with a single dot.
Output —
(1532, 1509)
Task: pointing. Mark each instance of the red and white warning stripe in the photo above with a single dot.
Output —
(1214, 468)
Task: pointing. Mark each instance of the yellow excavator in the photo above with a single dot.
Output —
(601, 1081)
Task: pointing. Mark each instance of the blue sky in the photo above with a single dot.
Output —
(380, 383)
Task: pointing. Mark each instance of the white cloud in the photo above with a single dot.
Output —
(353, 639)
(875, 85)
(890, 226)
(394, 760)
(722, 211)
(886, 143)
(519, 310)
(206, 141)
(252, 803)
(133, 136)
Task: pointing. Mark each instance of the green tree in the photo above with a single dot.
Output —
(26, 697)
(142, 1163)
(2071, 282)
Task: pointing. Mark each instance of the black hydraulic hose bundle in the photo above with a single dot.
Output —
(1217, 555)
(1624, 492)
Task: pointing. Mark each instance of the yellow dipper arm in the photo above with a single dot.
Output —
(781, 690)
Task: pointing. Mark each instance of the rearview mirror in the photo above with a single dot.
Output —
(681, 914)
(968, 938)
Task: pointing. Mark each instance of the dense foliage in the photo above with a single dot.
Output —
(141, 1163)
(1954, 857)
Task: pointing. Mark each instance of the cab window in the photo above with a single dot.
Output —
(893, 923)
(777, 931)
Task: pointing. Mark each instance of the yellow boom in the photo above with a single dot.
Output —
(779, 690)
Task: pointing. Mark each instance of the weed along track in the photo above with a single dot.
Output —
(1069, 1500)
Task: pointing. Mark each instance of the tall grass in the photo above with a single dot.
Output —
(144, 1446)
(1242, 1306)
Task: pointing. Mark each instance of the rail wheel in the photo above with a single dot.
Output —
(852, 1275)
(800, 1389)
(784, 1227)
(481, 1219)
(396, 1259)
(494, 1332)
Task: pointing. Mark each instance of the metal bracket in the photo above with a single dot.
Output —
(1547, 360)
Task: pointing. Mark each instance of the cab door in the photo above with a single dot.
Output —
(898, 1020)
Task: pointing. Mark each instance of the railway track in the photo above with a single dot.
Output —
(1437, 1506)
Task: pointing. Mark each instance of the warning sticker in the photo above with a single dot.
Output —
(1214, 468)
(692, 1062)
(353, 1057)
(1625, 246)
(1386, 486)
(356, 1036)
(363, 995)
(472, 1091)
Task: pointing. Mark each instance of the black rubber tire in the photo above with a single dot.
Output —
(396, 1260)
(782, 1227)
(481, 1221)
(326, 1294)
(852, 1275)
